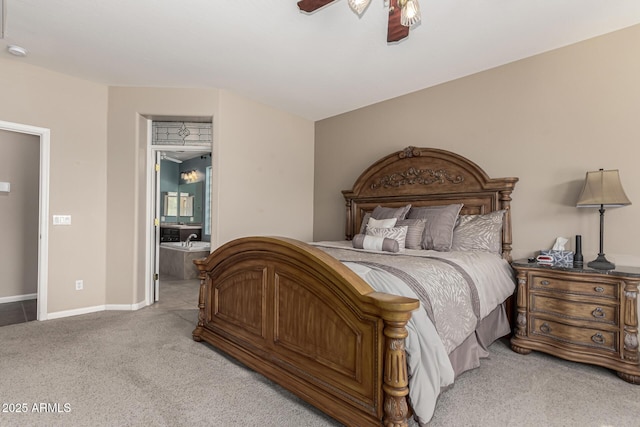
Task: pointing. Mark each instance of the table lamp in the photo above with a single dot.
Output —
(602, 188)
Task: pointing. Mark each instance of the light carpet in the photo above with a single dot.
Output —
(143, 369)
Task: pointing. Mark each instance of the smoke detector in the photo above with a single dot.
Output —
(17, 50)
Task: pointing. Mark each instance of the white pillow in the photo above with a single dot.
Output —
(382, 223)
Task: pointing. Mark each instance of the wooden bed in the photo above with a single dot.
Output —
(300, 317)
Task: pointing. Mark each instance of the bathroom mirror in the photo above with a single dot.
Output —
(183, 201)
(178, 204)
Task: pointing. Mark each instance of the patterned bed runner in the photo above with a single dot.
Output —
(446, 291)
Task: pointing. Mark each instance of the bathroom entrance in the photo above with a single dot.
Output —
(182, 189)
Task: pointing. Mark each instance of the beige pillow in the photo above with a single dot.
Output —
(438, 232)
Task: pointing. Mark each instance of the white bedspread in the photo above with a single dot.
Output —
(430, 369)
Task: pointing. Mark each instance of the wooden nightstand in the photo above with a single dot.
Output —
(579, 314)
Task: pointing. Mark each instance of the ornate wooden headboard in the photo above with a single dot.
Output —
(429, 177)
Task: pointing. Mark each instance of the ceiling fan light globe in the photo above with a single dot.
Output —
(358, 6)
(410, 13)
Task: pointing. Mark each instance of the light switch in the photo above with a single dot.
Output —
(5, 187)
(62, 220)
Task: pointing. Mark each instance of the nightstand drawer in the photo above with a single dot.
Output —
(589, 311)
(586, 337)
(580, 314)
(583, 287)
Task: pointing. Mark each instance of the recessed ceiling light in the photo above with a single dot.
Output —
(17, 50)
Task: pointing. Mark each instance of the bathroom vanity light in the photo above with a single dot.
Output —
(189, 176)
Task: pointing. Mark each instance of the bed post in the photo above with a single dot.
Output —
(350, 219)
(507, 239)
(396, 379)
(197, 332)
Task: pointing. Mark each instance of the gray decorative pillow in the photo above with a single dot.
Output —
(438, 232)
(479, 233)
(365, 221)
(415, 232)
(375, 243)
(396, 233)
(383, 213)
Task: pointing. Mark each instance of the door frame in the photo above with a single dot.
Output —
(43, 211)
(153, 206)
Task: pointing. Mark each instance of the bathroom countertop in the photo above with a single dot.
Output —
(183, 226)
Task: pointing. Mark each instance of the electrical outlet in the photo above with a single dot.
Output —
(79, 285)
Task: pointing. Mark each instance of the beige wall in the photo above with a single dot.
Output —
(75, 111)
(19, 156)
(99, 164)
(127, 152)
(262, 175)
(547, 120)
(265, 173)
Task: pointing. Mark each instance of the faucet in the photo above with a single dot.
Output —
(188, 242)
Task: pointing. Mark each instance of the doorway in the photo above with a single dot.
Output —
(183, 200)
(37, 225)
(179, 190)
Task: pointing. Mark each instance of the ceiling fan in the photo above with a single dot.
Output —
(402, 14)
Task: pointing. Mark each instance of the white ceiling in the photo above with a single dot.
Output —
(314, 65)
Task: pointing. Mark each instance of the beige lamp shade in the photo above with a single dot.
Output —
(602, 187)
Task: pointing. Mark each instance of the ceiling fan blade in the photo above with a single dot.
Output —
(395, 30)
(312, 5)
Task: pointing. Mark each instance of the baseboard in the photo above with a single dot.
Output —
(87, 310)
(17, 298)
(75, 312)
(126, 307)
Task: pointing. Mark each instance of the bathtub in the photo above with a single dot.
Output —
(180, 246)
(176, 260)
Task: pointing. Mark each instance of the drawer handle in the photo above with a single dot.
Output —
(545, 328)
(599, 289)
(544, 282)
(598, 338)
(598, 313)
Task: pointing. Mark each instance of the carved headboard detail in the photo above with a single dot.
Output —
(429, 177)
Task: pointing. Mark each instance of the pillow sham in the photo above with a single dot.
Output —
(398, 234)
(375, 243)
(381, 212)
(381, 223)
(415, 230)
(365, 221)
(438, 232)
(479, 233)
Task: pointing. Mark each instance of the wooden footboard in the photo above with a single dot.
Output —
(301, 318)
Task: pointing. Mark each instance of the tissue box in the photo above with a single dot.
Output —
(559, 257)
